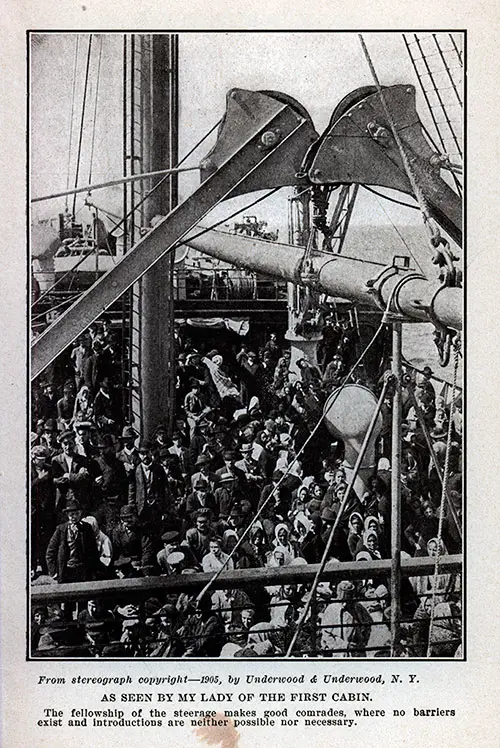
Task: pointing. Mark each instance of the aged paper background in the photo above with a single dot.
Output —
(470, 687)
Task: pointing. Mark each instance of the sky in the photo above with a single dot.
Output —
(318, 69)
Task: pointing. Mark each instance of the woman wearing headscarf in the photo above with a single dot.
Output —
(369, 551)
(371, 523)
(256, 549)
(438, 585)
(301, 525)
(355, 528)
(300, 497)
(370, 545)
(239, 558)
(282, 540)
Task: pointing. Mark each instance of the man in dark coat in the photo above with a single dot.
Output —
(128, 454)
(72, 554)
(204, 631)
(132, 542)
(74, 472)
(148, 486)
(43, 519)
(230, 468)
(112, 492)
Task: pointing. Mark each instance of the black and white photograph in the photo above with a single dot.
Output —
(246, 273)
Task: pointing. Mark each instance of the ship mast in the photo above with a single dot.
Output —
(151, 117)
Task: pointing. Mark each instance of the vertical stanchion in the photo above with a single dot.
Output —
(314, 624)
(396, 486)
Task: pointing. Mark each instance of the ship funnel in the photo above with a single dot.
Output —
(348, 414)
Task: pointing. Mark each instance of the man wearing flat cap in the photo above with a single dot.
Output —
(72, 554)
(229, 457)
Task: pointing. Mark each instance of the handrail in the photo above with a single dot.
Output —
(334, 572)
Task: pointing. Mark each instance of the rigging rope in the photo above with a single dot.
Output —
(159, 184)
(390, 199)
(82, 120)
(429, 224)
(446, 472)
(73, 98)
(123, 220)
(94, 119)
(398, 232)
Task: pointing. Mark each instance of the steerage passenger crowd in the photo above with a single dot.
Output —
(107, 503)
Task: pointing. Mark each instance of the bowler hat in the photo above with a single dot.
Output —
(327, 515)
(72, 505)
(202, 460)
(50, 425)
(129, 432)
(170, 535)
(105, 440)
(66, 436)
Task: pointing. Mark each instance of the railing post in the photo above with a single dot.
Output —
(396, 486)
(314, 624)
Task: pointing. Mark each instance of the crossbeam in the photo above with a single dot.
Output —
(241, 578)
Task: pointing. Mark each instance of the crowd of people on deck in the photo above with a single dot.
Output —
(238, 484)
